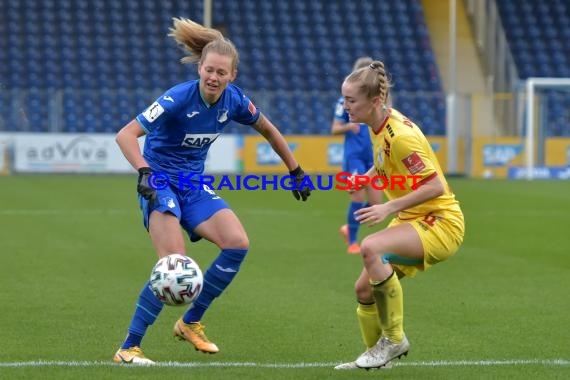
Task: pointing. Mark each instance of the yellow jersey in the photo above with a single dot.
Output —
(402, 151)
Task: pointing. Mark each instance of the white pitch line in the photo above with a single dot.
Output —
(459, 363)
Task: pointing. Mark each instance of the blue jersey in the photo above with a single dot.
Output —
(181, 127)
(356, 145)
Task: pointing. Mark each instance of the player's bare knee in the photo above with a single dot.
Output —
(367, 251)
(363, 292)
(240, 241)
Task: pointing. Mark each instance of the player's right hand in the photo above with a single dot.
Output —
(143, 186)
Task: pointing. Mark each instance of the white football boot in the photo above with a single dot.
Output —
(383, 352)
(352, 365)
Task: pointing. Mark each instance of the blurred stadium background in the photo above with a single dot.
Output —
(90, 66)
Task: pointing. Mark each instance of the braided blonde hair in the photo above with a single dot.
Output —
(362, 62)
(372, 80)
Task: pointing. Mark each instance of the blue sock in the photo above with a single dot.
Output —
(216, 279)
(146, 312)
(353, 224)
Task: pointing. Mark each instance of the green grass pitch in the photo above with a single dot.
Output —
(74, 255)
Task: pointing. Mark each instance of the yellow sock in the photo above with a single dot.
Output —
(390, 302)
(369, 323)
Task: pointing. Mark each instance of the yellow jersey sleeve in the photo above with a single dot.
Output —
(410, 157)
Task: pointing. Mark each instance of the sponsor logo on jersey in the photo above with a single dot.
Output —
(199, 140)
(153, 112)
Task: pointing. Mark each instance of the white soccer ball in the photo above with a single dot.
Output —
(176, 280)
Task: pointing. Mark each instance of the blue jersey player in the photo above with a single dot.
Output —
(180, 126)
(357, 160)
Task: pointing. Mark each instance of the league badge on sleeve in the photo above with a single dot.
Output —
(414, 163)
(153, 112)
(251, 108)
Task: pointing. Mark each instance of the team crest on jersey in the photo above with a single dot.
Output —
(199, 140)
(222, 116)
(380, 157)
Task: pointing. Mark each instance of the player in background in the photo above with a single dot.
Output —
(357, 160)
(180, 127)
(427, 226)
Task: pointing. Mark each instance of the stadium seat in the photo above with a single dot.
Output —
(284, 46)
(540, 50)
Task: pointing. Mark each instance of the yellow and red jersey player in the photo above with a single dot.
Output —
(427, 227)
(401, 150)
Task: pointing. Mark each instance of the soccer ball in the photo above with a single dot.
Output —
(176, 280)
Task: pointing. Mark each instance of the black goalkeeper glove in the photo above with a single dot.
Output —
(300, 192)
(143, 187)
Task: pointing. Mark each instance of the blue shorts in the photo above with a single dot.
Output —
(191, 207)
(356, 165)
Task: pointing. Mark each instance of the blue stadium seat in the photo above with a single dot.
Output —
(287, 46)
(540, 50)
